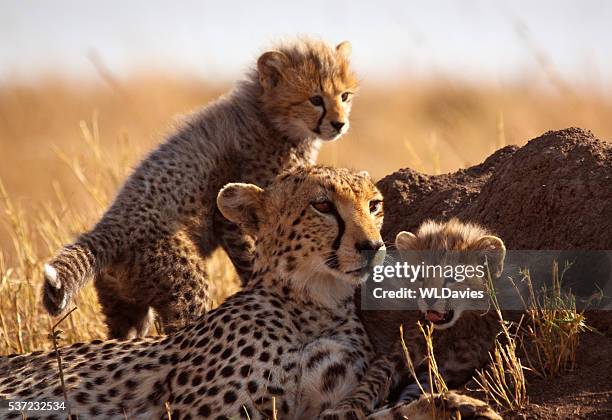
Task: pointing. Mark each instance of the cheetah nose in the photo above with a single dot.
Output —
(337, 125)
(369, 245)
(373, 251)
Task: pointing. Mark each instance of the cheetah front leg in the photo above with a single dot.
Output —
(176, 274)
(450, 405)
(381, 376)
(329, 372)
(239, 246)
(167, 275)
(125, 317)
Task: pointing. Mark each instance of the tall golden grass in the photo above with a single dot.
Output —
(66, 146)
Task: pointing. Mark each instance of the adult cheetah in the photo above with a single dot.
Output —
(290, 341)
(463, 335)
(147, 251)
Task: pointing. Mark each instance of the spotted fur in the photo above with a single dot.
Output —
(291, 340)
(147, 252)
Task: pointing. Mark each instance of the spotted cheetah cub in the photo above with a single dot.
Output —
(291, 340)
(463, 335)
(147, 250)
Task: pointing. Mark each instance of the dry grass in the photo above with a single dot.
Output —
(66, 146)
(55, 337)
(548, 342)
(546, 338)
(436, 382)
(503, 380)
(32, 237)
(551, 334)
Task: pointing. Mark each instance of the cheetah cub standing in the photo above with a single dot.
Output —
(289, 344)
(147, 250)
(463, 335)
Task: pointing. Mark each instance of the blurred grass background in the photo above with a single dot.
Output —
(66, 145)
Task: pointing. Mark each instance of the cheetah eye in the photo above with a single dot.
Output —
(375, 206)
(345, 96)
(324, 207)
(316, 100)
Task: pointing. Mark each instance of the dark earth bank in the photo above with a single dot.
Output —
(554, 193)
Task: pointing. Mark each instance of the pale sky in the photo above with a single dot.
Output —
(473, 39)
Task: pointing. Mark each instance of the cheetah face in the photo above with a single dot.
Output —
(456, 245)
(308, 90)
(337, 229)
(318, 227)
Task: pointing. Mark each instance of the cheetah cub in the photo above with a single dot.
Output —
(463, 335)
(147, 251)
(290, 344)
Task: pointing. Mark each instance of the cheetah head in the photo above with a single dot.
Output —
(317, 228)
(458, 245)
(308, 88)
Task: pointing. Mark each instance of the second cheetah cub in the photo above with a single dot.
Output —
(463, 335)
(147, 251)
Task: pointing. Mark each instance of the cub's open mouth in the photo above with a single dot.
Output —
(439, 318)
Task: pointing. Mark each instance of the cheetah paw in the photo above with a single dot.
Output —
(467, 407)
(447, 406)
(343, 414)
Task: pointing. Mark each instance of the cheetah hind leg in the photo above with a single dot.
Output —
(450, 405)
(175, 273)
(125, 317)
(167, 275)
(185, 303)
(240, 248)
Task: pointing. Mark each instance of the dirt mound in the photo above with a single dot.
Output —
(584, 393)
(554, 193)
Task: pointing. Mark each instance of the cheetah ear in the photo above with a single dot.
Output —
(271, 66)
(405, 241)
(493, 251)
(242, 204)
(344, 49)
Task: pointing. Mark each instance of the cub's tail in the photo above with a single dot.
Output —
(66, 274)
